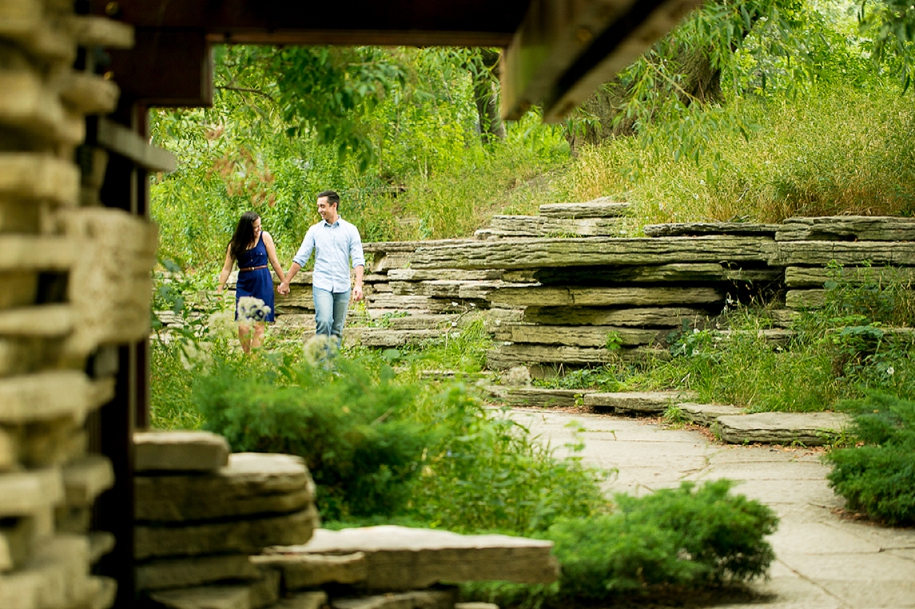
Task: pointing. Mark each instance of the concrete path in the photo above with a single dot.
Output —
(824, 561)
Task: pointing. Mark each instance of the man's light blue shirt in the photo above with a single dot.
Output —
(334, 245)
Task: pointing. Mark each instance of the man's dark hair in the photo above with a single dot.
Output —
(332, 197)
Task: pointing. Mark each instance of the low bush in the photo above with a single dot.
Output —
(878, 477)
(682, 539)
(380, 446)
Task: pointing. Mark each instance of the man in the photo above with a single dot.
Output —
(336, 244)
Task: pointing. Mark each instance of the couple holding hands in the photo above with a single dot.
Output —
(337, 247)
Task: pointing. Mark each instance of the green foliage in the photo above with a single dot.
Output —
(835, 150)
(842, 350)
(891, 23)
(878, 477)
(674, 539)
(351, 428)
(378, 445)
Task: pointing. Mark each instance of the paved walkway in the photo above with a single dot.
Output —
(823, 561)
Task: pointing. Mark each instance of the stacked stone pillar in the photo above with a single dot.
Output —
(201, 512)
(73, 278)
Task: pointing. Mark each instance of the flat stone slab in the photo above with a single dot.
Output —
(604, 207)
(179, 451)
(204, 597)
(416, 599)
(303, 600)
(840, 228)
(638, 401)
(195, 571)
(250, 484)
(678, 229)
(244, 536)
(538, 396)
(706, 414)
(401, 558)
(86, 478)
(27, 493)
(300, 571)
(807, 428)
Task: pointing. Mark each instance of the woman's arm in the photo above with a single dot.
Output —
(271, 256)
(226, 270)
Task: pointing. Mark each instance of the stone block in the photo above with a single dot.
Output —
(204, 597)
(539, 397)
(194, 571)
(179, 451)
(638, 401)
(15, 541)
(110, 285)
(86, 478)
(415, 599)
(250, 484)
(34, 177)
(542, 296)
(56, 577)
(644, 317)
(247, 536)
(302, 571)
(44, 320)
(100, 544)
(45, 395)
(806, 428)
(17, 287)
(303, 600)
(25, 493)
(9, 448)
(578, 336)
(401, 558)
(53, 442)
(603, 207)
(706, 414)
(28, 105)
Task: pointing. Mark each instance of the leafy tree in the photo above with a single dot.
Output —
(891, 23)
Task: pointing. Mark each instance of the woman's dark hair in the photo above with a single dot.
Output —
(244, 234)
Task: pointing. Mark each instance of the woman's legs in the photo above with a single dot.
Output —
(244, 336)
(258, 339)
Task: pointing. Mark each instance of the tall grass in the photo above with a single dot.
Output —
(832, 151)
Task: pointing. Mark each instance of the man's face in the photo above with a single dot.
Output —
(327, 211)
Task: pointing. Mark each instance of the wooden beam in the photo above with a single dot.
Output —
(165, 68)
(565, 49)
(127, 143)
(345, 22)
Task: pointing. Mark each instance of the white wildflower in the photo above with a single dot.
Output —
(252, 309)
(517, 376)
(890, 371)
(319, 349)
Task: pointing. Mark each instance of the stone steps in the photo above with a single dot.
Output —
(729, 423)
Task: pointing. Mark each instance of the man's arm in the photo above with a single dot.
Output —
(293, 271)
(357, 284)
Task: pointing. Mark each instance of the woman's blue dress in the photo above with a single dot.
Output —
(258, 282)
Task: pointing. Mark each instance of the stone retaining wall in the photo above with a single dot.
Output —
(554, 288)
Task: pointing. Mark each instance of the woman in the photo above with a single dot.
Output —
(251, 247)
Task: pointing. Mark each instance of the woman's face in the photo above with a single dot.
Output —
(256, 225)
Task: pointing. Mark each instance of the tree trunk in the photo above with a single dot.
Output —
(700, 83)
(484, 72)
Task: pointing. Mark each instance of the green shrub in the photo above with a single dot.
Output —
(878, 478)
(351, 428)
(379, 446)
(675, 539)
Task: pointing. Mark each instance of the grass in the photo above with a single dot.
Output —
(833, 151)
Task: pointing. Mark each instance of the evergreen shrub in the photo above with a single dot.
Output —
(878, 477)
(674, 540)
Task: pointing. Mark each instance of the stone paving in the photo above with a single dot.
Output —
(825, 560)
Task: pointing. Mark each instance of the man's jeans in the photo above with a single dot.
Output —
(330, 312)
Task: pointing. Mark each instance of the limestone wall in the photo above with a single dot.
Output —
(553, 288)
(73, 277)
